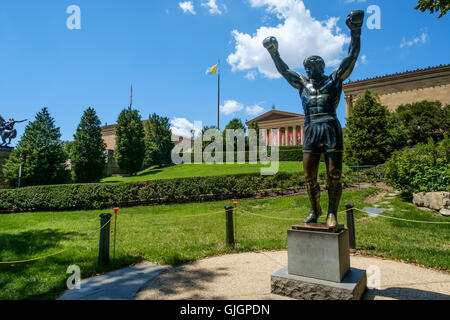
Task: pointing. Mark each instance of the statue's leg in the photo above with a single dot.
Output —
(334, 174)
(311, 168)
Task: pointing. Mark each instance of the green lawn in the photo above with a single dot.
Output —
(203, 170)
(174, 234)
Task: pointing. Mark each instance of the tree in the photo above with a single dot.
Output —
(234, 124)
(88, 151)
(397, 132)
(434, 6)
(424, 120)
(254, 126)
(204, 130)
(130, 141)
(159, 144)
(41, 154)
(367, 136)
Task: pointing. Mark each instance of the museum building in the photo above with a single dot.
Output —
(432, 84)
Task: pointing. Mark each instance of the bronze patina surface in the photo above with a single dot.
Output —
(320, 96)
(319, 227)
(7, 131)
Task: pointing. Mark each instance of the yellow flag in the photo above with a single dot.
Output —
(212, 70)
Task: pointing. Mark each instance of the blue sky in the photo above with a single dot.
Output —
(163, 48)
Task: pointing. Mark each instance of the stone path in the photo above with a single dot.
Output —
(246, 276)
(118, 285)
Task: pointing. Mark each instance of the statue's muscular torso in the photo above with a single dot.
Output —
(322, 97)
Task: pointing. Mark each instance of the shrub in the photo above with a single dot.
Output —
(426, 168)
(102, 196)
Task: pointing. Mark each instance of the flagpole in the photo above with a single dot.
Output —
(218, 96)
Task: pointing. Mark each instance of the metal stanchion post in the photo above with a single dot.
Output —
(116, 210)
(351, 225)
(229, 226)
(103, 254)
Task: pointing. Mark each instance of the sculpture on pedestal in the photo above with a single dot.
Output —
(7, 131)
(320, 95)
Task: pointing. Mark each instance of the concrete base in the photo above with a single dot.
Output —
(319, 255)
(352, 287)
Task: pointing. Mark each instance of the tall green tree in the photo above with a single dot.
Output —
(434, 6)
(40, 152)
(88, 150)
(424, 120)
(397, 132)
(367, 135)
(130, 141)
(158, 141)
(234, 124)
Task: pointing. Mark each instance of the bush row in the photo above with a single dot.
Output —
(102, 196)
(291, 153)
(425, 168)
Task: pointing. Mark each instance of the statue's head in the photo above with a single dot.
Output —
(314, 66)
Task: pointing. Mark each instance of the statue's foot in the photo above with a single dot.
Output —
(331, 221)
(312, 217)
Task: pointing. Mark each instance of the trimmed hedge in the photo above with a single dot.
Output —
(286, 153)
(103, 196)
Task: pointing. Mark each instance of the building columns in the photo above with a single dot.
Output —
(348, 105)
(302, 134)
(294, 135)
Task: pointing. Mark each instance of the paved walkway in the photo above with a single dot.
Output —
(118, 285)
(246, 276)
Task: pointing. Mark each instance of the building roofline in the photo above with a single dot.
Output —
(272, 112)
(399, 75)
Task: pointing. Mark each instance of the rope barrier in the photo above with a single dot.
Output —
(201, 215)
(400, 219)
(97, 230)
(35, 259)
(235, 211)
(50, 255)
(278, 218)
(268, 217)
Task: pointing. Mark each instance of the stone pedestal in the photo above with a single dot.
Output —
(352, 286)
(319, 255)
(319, 268)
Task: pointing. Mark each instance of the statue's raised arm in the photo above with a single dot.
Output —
(294, 79)
(354, 21)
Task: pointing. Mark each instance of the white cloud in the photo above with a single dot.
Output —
(231, 106)
(182, 127)
(255, 110)
(364, 59)
(212, 5)
(251, 75)
(299, 36)
(422, 39)
(187, 7)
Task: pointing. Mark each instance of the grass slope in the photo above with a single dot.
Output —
(175, 234)
(203, 170)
